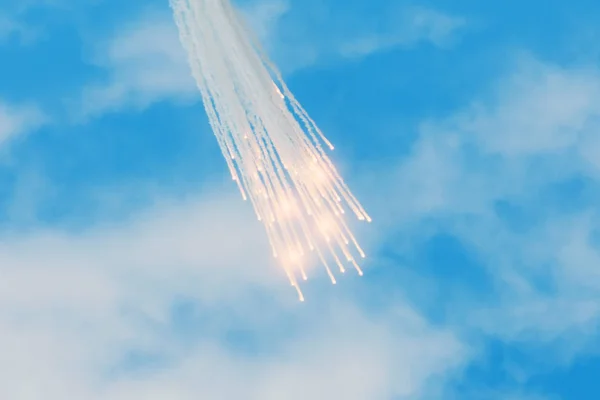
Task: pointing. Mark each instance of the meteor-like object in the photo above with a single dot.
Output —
(273, 149)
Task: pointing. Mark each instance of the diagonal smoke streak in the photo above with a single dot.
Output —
(272, 147)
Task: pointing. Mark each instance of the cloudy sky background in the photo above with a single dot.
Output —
(131, 269)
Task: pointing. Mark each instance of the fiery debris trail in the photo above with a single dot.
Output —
(272, 147)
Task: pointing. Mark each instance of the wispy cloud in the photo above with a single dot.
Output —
(7, 27)
(540, 110)
(144, 63)
(301, 36)
(497, 176)
(14, 25)
(17, 120)
(403, 27)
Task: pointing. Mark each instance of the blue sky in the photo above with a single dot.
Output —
(131, 269)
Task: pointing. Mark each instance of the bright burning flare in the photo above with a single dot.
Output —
(272, 147)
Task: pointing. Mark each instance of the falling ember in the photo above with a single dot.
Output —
(272, 147)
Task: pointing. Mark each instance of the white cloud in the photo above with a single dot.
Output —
(541, 109)
(72, 304)
(191, 241)
(16, 120)
(532, 133)
(346, 354)
(144, 63)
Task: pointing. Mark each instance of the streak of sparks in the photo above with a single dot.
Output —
(273, 149)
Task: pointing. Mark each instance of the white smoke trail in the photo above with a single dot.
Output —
(271, 146)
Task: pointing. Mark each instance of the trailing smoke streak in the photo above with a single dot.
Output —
(271, 146)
